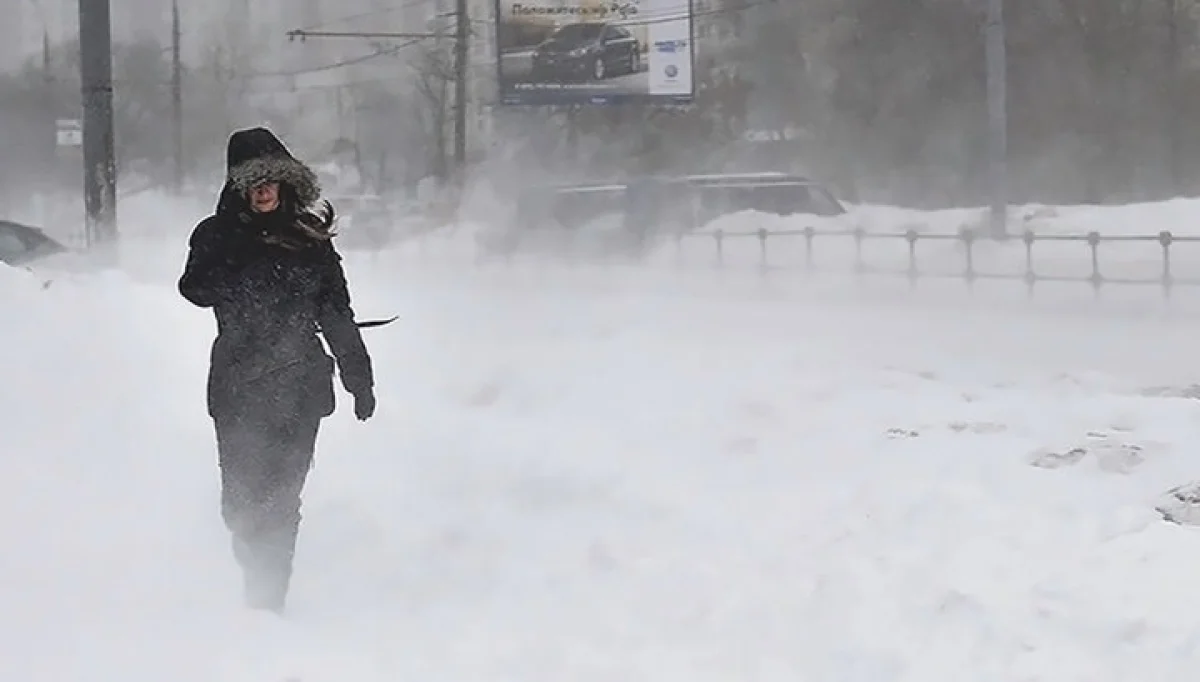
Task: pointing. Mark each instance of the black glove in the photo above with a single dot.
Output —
(364, 405)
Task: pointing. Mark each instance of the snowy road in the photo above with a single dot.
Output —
(587, 478)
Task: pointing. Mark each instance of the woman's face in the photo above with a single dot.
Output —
(265, 198)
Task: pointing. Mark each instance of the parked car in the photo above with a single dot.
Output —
(777, 193)
(702, 198)
(22, 244)
(588, 50)
(640, 210)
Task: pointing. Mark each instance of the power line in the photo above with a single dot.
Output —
(365, 15)
(414, 38)
(382, 52)
(289, 74)
(302, 34)
(121, 82)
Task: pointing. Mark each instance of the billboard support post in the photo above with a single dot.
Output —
(461, 74)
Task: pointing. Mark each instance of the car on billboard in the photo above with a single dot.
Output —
(587, 50)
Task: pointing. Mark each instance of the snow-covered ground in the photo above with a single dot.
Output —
(613, 473)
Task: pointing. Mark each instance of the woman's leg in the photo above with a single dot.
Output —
(264, 466)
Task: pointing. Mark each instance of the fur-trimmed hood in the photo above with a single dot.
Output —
(255, 156)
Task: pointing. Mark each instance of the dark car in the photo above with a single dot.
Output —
(776, 193)
(697, 198)
(22, 244)
(589, 50)
(632, 213)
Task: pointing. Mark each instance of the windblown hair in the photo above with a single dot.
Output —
(317, 222)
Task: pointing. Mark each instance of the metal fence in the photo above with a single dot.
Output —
(968, 241)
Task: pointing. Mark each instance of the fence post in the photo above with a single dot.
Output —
(1165, 238)
(719, 236)
(968, 237)
(1093, 241)
(763, 265)
(911, 237)
(810, 233)
(1030, 276)
(859, 266)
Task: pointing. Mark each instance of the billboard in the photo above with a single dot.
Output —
(554, 52)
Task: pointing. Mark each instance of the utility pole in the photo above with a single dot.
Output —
(47, 65)
(49, 113)
(461, 73)
(99, 158)
(997, 98)
(177, 94)
(1174, 88)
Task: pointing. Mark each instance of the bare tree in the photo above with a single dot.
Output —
(142, 113)
(48, 89)
(434, 77)
(1097, 96)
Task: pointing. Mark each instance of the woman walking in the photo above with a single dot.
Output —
(265, 264)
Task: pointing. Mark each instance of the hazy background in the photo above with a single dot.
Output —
(883, 100)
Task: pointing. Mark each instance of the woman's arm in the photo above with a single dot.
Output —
(336, 317)
(205, 281)
(213, 264)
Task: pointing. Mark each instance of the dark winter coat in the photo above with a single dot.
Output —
(272, 290)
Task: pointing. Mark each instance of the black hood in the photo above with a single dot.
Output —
(255, 156)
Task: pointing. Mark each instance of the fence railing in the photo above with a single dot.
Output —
(968, 240)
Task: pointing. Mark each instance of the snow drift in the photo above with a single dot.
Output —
(584, 475)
